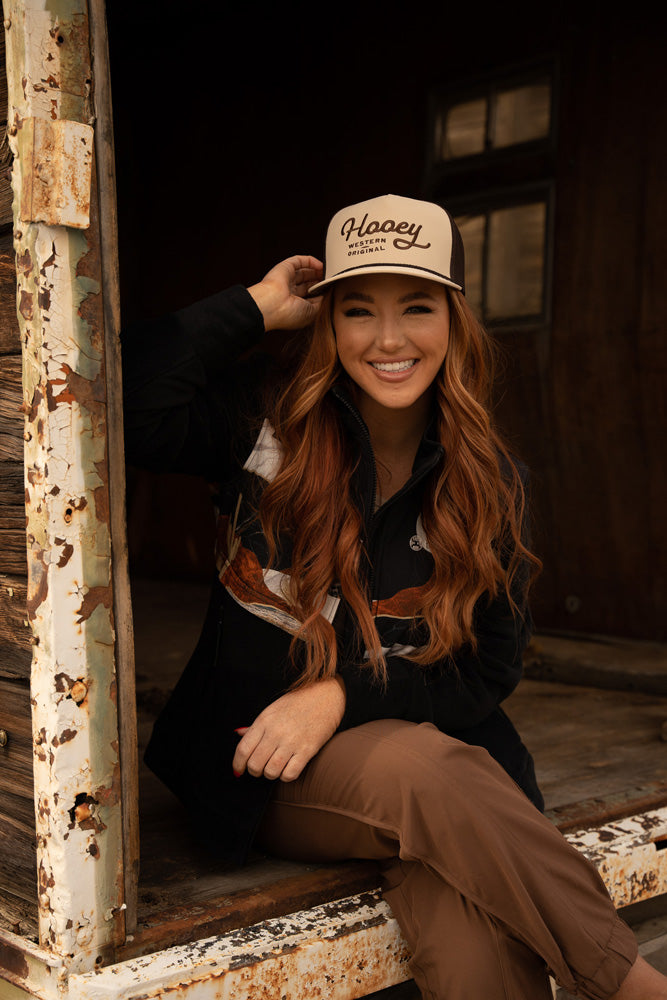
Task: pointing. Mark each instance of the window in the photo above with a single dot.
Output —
(491, 163)
(506, 255)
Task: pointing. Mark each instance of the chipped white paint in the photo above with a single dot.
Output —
(76, 765)
(31, 969)
(56, 171)
(628, 855)
(344, 950)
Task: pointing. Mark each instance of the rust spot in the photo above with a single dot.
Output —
(50, 262)
(67, 735)
(55, 491)
(38, 582)
(63, 682)
(94, 850)
(25, 305)
(66, 554)
(110, 796)
(13, 961)
(82, 813)
(44, 298)
(92, 600)
(79, 692)
(45, 881)
(24, 263)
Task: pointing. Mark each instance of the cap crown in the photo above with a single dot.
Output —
(393, 235)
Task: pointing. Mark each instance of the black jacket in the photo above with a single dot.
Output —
(191, 406)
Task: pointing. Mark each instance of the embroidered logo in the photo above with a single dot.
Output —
(406, 238)
(419, 540)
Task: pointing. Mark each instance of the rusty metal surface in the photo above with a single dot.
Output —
(31, 968)
(629, 854)
(73, 683)
(56, 171)
(344, 950)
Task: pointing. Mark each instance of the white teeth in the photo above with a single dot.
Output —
(393, 366)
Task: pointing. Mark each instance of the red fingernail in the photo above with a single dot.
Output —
(237, 774)
(241, 730)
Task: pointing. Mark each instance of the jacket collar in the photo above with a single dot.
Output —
(429, 453)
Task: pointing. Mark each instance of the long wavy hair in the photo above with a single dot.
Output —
(473, 507)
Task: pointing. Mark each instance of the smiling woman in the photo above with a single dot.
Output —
(392, 334)
(370, 608)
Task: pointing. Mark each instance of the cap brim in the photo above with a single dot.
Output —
(419, 272)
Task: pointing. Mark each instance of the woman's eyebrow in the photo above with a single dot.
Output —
(357, 295)
(411, 296)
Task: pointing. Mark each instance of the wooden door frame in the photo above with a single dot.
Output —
(82, 678)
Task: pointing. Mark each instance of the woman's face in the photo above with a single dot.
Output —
(392, 333)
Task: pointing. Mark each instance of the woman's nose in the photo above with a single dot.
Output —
(389, 336)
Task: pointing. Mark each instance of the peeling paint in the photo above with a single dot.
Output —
(69, 601)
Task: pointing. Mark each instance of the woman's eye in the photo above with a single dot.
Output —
(418, 309)
(356, 311)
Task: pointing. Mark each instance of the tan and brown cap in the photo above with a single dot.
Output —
(393, 235)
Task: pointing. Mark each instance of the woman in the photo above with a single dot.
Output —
(369, 611)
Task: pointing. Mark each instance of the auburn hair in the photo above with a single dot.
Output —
(473, 507)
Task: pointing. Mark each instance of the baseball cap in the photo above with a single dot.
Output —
(393, 235)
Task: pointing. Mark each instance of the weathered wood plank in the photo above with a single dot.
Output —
(11, 414)
(12, 550)
(12, 494)
(16, 753)
(104, 218)
(601, 661)
(19, 915)
(5, 152)
(18, 871)
(18, 875)
(10, 342)
(15, 632)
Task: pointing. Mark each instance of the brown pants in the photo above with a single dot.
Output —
(488, 894)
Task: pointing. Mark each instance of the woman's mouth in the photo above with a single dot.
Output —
(393, 366)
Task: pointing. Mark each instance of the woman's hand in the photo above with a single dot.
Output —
(280, 293)
(290, 731)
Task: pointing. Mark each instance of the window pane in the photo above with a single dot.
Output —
(465, 129)
(521, 114)
(472, 229)
(514, 285)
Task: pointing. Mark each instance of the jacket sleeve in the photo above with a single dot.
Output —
(182, 388)
(453, 695)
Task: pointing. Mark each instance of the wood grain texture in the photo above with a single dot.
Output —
(10, 341)
(16, 754)
(15, 632)
(11, 414)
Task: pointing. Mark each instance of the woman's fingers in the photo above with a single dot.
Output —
(247, 745)
(276, 764)
(280, 295)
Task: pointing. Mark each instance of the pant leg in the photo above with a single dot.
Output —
(396, 788)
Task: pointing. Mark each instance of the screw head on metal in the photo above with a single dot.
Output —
(4, 737)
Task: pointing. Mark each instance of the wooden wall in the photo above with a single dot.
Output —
(274, 126)
(18, 877)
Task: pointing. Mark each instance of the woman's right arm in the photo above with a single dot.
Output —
(182, 387)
